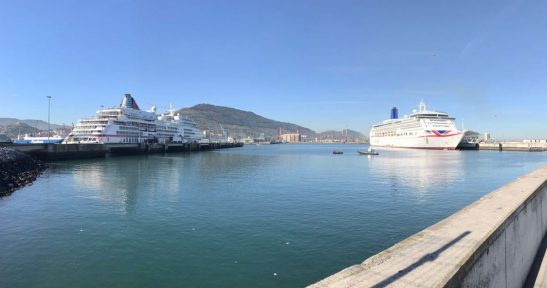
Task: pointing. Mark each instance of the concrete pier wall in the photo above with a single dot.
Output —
(514, 146)
(54, 152)
(490, 243)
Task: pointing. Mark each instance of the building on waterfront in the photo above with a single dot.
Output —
(278, 134)
(291, 137)
(260, 139)
(486, 137)
(247, 140)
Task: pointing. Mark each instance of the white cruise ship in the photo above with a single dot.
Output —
(422, 129)
(128, 124)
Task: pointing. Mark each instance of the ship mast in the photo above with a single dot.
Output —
(421, 107)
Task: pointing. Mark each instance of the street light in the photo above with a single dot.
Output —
(48, 113)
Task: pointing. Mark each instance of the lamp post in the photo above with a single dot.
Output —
(48, 114)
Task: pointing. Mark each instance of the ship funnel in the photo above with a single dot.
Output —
(394, 113)
(129, 102)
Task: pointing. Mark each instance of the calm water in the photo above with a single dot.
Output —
(258, 216)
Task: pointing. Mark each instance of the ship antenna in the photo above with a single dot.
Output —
(422, 106)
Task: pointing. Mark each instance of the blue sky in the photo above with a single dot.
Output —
(320, 64)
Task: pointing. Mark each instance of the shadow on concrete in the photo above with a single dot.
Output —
(534, 270)
(427, 258)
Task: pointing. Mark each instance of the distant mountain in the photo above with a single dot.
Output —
(239, 123)
(38, 124)
(13, 127)
(17, 128)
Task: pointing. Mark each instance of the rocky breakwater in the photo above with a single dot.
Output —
(17, 170)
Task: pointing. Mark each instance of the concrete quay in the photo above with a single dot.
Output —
(493, 242)
(55, 152)
(514, 146)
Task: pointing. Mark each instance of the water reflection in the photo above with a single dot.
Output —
(120, 180)
(420, 170)
(245, 205)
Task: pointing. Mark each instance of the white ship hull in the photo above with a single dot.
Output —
(420, 142)
(423, 129)
(40, 140)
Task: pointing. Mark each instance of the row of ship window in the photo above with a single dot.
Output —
(165, 133)
(170, 129)
(93, 122)
(110, 113)
(84, 131)
(91, 127)
(130, 140)
(136, 140)
(393, 133)
(128, 128)
(128, 133)
(415, 125)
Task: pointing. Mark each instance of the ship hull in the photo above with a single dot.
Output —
(421, 142)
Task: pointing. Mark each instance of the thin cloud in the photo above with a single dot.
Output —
(400, 92)
(337, 102)
(490, 26)
(355, 69)
(389, 61)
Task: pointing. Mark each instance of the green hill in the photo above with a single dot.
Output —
(239, 123)
(17, 128)
(38, 124)
(13, 127)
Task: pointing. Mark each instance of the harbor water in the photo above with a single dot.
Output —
(257, 216)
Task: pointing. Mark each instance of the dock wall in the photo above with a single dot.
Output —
(491, 243)
(514, 146)
(55, 152)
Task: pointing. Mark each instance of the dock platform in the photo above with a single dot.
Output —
(514, 146)
(56, 152)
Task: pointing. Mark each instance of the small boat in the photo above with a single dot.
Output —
(369, 152)
(337, 152)
(30, 139)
